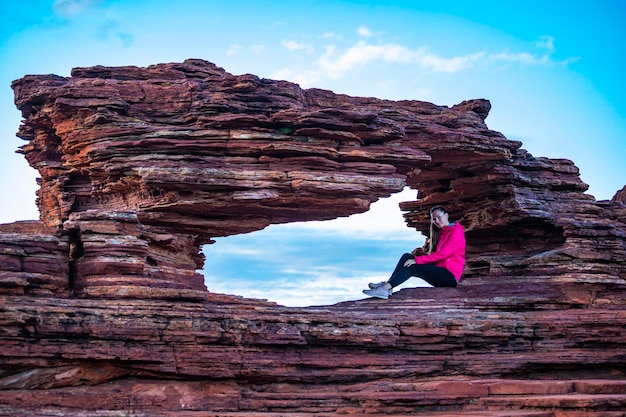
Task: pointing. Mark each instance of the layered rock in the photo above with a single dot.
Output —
(103, 308)
(620, 196)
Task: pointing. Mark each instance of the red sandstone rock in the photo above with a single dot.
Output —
(620, 196)
(102, 310)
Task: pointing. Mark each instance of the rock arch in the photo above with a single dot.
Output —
(142, 166)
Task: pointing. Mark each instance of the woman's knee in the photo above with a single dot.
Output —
(406, 257)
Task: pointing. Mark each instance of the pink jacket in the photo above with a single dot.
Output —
(450, 252)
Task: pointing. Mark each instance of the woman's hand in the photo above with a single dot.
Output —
(410, 262)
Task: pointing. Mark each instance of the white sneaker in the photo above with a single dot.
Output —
(374, 285)
(379, 292)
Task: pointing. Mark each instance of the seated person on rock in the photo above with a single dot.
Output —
(443, 264)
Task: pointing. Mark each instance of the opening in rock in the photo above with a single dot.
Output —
(314, 263)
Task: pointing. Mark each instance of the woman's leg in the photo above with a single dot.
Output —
(434, 275)
(399, 272)
(401, 262)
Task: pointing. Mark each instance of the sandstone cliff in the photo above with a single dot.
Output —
(103, 312)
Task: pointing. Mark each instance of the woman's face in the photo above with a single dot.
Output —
(439, 218)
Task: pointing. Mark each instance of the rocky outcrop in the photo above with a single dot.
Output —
(103, 310)
(620, 196)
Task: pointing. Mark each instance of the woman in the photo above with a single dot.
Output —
(441, 267)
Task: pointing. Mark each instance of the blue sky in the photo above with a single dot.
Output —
(553, 71)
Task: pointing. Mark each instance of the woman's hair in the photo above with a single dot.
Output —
(434, 230)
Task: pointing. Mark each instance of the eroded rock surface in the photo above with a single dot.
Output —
(103, 310)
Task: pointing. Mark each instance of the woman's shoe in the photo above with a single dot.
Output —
(374, 285)
(379, 292)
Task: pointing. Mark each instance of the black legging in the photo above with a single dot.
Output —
(434, 275)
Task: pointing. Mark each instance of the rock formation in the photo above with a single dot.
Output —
(103, 310)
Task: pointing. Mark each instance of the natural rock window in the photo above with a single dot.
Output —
(313, 263)
(141, 167)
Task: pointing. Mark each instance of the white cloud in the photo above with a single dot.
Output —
(450, 65)
(293, 45)
(304, 78)
(524, 58)
(364, 31)
(233, 49)
(570, 60)
(545, 42)
(335, 63)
